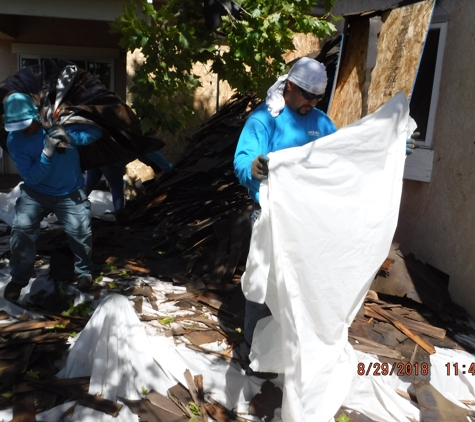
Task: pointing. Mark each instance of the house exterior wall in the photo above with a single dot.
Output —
(437, 219)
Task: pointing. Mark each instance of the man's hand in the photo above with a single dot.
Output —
(59, 132)
(50, 145)
(411, 143)
(259, 167)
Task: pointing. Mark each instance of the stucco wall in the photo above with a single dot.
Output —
(437, 219)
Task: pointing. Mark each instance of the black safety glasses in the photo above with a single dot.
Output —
(310, 96)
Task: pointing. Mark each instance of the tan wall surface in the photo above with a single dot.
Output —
(437, 219)
(8, 66)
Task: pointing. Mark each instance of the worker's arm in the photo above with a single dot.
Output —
(76, 134)
(31, 163)
(253, 142)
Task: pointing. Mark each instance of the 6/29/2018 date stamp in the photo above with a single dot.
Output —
(400, 369)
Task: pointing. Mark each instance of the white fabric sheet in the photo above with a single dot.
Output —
(114, 351)
(329, 212)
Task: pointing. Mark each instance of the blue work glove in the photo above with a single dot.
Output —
(259, 167)
(411, 143)
(59, 132)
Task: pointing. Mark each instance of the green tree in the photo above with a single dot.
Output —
(174, 37)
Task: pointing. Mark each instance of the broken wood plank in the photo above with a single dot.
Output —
(163, 402)
(31, 325)
(201, 397)
(370, 346)
(219, 413)
(190, 382)
(218, 355)
(420, 327)
(181, 397)
(148, 411)
(400, 326)
(102, 405)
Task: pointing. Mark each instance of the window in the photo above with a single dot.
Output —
(102, 68)
(424, 99)
(425, 94)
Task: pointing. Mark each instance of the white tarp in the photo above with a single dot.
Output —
(329, 212)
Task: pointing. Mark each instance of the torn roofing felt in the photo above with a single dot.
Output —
(88, 101)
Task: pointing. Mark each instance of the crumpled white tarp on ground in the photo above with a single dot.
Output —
(115, 351)
(329, 212)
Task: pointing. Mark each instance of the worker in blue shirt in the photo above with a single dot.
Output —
(288, 118)
(53, 182)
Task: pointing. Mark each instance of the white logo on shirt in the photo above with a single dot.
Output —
(313, 133)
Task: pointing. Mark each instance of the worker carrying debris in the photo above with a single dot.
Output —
(324, 220)
(62, 121)
(53, 181)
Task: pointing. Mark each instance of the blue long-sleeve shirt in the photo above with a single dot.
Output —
(263, 133)
(59, 175)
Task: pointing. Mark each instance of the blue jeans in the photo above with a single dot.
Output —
(74, 213)
(114, 175)
(157, 158)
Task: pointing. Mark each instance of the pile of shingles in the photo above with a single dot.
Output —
(192, 223)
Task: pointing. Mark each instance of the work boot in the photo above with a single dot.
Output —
(242, 351)
(12, 291)
(84, 282)
(261, 375)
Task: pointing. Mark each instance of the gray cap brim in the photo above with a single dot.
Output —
(13, 126)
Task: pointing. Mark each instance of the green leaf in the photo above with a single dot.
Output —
(194, 408)
(144, 391)
(32, 374)
(342, 418)
(83, 310)
(166, 320)
(112, 285)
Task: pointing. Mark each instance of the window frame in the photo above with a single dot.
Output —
(427, 142)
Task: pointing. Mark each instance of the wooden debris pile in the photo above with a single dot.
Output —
(190, 224)
(415, 316)
(29, 348)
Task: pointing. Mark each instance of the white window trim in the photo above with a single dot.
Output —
(420, 163)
